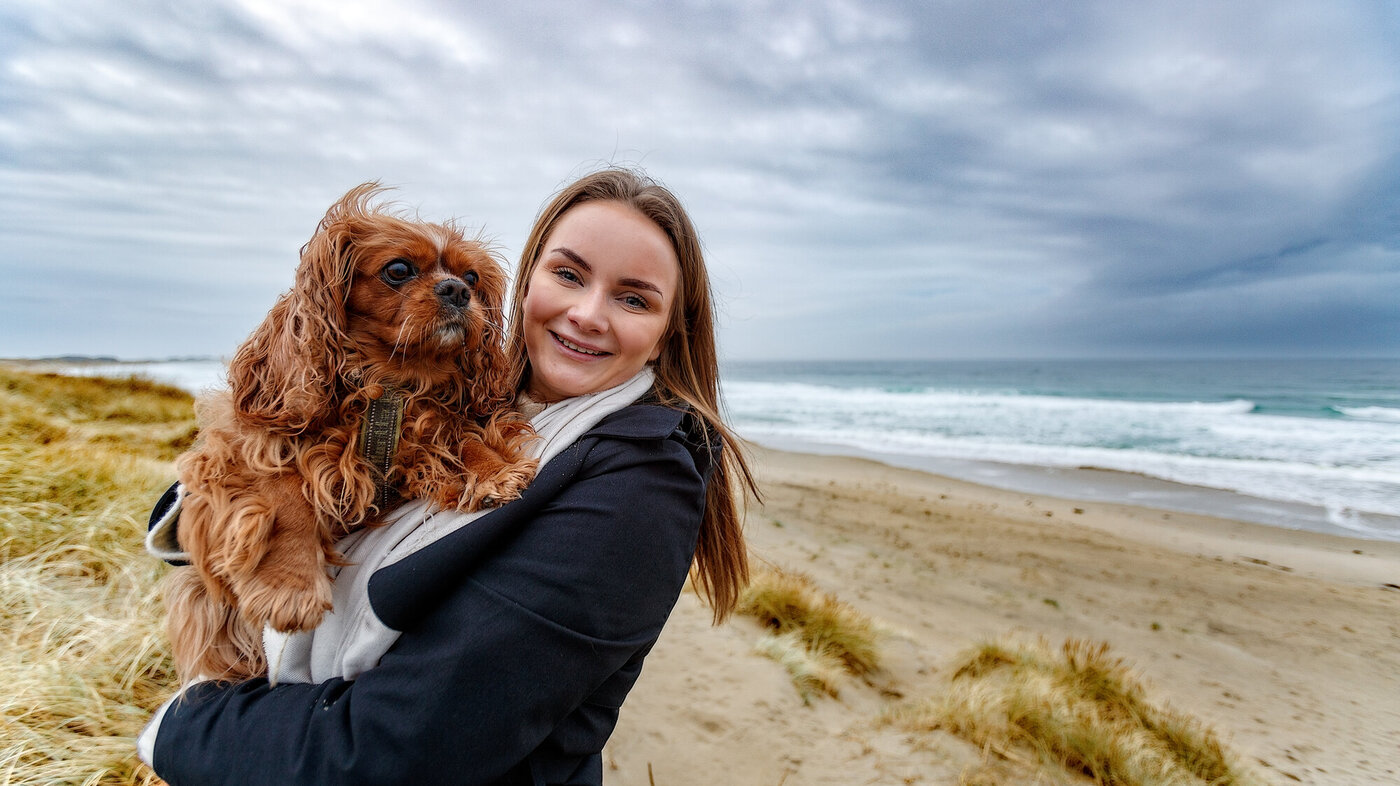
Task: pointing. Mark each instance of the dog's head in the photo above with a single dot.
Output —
(378, 298)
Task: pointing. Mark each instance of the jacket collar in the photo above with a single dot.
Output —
(640, 421)
(654, 421)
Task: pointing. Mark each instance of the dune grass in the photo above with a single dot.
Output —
(815, 636)
(83, 658)
(1078, 711)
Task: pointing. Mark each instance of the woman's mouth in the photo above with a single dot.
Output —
(567, 344)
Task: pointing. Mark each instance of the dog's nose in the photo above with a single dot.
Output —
(453, 292)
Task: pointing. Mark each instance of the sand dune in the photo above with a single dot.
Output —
(1285, 642)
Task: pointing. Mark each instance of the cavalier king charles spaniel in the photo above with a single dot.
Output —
(379, 376)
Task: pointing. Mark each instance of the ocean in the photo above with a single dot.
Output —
(1303, 444)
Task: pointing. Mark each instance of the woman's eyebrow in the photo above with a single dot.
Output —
(635, 283)
(573, 257)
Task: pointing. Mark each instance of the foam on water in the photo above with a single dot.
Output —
(1347, 466)
(1385, 414)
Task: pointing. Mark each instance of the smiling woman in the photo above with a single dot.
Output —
(685, 362)
(498, 647)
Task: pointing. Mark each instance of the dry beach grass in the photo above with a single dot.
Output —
(1077, 709)
(815, 636)
(83, 658)
(901, 623)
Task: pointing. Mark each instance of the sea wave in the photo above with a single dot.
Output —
(1334, 463)
(798, 394)
(1383, 414)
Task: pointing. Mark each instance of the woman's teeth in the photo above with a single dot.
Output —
(576, 347)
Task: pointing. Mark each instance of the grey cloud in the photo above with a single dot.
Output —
(881, 178)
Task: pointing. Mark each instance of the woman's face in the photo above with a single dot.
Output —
(599, 300)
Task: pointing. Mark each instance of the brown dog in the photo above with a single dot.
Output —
(388, 315)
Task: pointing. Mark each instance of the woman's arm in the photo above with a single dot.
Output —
(553, 619)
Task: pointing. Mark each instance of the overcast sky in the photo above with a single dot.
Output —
(870, 179)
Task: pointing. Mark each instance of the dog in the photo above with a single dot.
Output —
(379, 376)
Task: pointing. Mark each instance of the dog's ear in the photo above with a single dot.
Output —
(488, 375)
(284, 376)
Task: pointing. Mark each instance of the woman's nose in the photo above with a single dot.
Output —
(588, 313)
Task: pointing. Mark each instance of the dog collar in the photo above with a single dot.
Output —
(379, 440)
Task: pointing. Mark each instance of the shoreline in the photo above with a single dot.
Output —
(1100, 485)
(1333, 556)
(1281, 640)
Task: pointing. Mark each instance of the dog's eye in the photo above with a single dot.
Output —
(397, 272)
(470, 277)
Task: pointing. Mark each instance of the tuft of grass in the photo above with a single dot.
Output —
(816, 636)
(83, 656)
(1078, 709)
(814, 671)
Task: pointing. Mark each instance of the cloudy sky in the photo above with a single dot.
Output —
(871, 179)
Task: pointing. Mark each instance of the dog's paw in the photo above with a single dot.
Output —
(288, 602)
(504, 486)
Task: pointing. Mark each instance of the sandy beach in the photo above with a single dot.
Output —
(1285, 642)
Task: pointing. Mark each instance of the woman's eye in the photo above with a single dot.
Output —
(566, 274)
(470, 277)
(636, 301)
(397, 272)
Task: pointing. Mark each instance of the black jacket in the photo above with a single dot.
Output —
(522, 634)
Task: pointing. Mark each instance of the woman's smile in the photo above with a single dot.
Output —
(578, 347)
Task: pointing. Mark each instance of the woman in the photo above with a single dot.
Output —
(500, 652)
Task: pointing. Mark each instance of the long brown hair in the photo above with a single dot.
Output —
(687, 370)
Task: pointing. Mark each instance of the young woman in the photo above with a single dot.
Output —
(501, 652)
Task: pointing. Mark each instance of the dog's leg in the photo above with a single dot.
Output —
(207, 636)
(288, 588)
